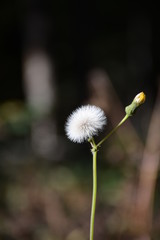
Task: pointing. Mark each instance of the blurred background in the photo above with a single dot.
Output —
(54, 57)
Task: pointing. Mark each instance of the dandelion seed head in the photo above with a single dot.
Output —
(84, 123)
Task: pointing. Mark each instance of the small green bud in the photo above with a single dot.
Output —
(137, 101)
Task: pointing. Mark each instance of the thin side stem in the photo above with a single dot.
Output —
(94, 194)
(113, 130)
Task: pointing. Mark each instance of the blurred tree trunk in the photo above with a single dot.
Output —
(39, 80)
(142, 220)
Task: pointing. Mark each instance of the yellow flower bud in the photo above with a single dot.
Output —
(137, 101)
(140, 98)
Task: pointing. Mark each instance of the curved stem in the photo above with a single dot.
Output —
(94, 194)
(113, 130)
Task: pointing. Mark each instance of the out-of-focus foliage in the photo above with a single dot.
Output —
(53, 202)
(15, 118)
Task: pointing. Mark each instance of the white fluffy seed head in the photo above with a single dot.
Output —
(84, 123)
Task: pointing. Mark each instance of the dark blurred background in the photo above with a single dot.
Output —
(54, 57)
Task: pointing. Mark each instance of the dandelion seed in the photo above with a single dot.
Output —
(84, 123)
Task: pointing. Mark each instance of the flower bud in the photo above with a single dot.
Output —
(140, 98)
(137, 101)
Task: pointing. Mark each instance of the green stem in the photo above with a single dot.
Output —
(113, 130)
(94, 194)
